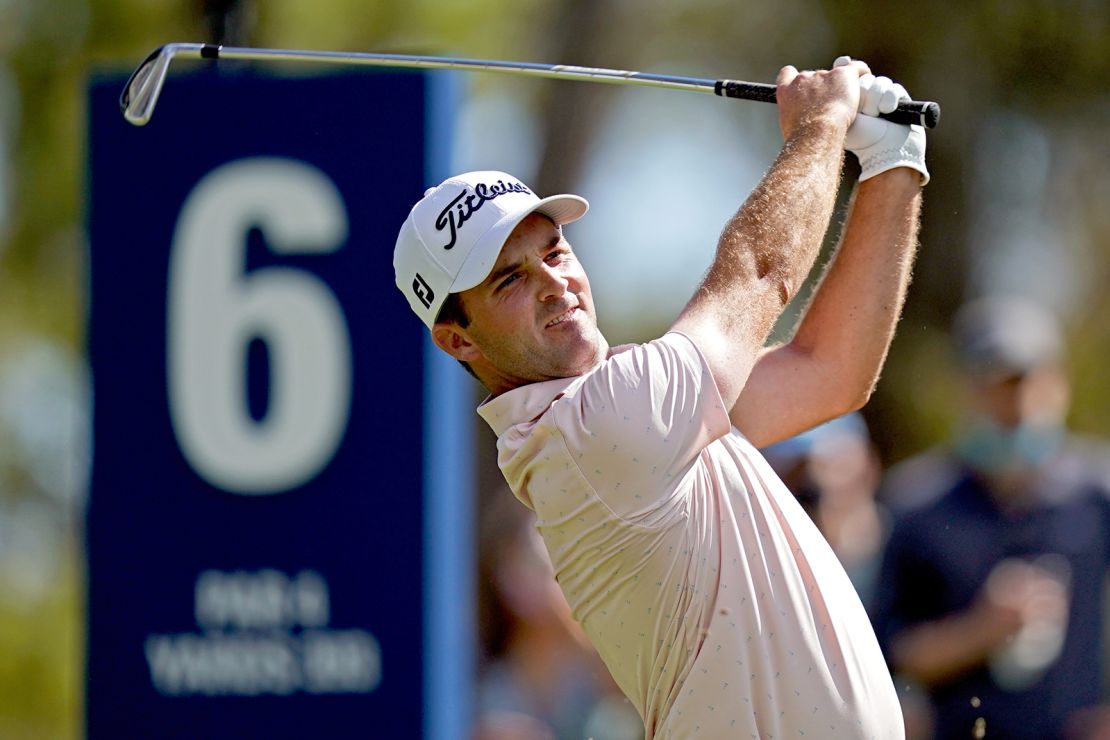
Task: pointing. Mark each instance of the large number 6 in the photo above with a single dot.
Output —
(216, 310)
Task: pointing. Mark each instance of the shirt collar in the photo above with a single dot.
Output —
(528, 402)
(522, 404)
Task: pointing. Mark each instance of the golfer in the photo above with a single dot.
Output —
(713, 600)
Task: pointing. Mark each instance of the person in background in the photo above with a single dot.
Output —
(990, 595)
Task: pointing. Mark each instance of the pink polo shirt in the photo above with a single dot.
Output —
(716, 604)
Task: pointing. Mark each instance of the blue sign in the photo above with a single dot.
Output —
(275, 534)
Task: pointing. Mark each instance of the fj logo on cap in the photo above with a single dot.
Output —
(423, 291)
(459, 210)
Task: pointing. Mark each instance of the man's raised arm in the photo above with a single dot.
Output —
(831, 365)
(769, 246)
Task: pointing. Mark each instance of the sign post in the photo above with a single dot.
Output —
(279, 514)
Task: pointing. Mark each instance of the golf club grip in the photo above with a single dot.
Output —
(908, 111)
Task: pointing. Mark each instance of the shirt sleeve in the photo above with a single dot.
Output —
(638, 423)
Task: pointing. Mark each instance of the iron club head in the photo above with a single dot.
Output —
(141, 92)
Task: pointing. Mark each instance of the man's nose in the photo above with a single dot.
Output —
(553, 284)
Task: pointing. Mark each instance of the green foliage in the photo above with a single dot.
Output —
(41, 641)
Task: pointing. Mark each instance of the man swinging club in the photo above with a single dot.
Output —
(713, 600)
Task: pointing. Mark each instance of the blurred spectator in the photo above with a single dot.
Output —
(991, 590)
(541, 678)
(834, 472)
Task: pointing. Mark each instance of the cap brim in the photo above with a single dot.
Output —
(561, 209)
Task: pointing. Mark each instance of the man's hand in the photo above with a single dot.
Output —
(1017, 595)
(878, 144)
(831, 96)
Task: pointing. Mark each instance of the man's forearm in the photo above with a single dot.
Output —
(851, 319)
(769, 246)
(934, 652)
(764, 253)
(830, 366)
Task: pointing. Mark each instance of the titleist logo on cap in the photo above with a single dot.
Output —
(464, 205)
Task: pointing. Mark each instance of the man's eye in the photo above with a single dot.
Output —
(508, 281)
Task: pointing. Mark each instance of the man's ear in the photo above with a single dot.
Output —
(455, 342)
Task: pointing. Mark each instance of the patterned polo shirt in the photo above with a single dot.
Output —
(712, 598)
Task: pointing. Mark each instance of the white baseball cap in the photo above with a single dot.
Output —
(454, 234)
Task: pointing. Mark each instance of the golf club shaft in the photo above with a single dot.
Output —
(143, 88)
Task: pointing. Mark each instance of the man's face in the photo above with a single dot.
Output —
(1038, 397)
(1015, 426)
(533, 317)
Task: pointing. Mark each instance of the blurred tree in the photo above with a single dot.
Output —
(1038, 57)
(229, 22)
(570, 112)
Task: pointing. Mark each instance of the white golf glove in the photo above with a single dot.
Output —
(879, 144)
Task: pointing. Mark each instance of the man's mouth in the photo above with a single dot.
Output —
(561, 318)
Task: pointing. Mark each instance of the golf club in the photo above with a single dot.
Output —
(140, 95)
